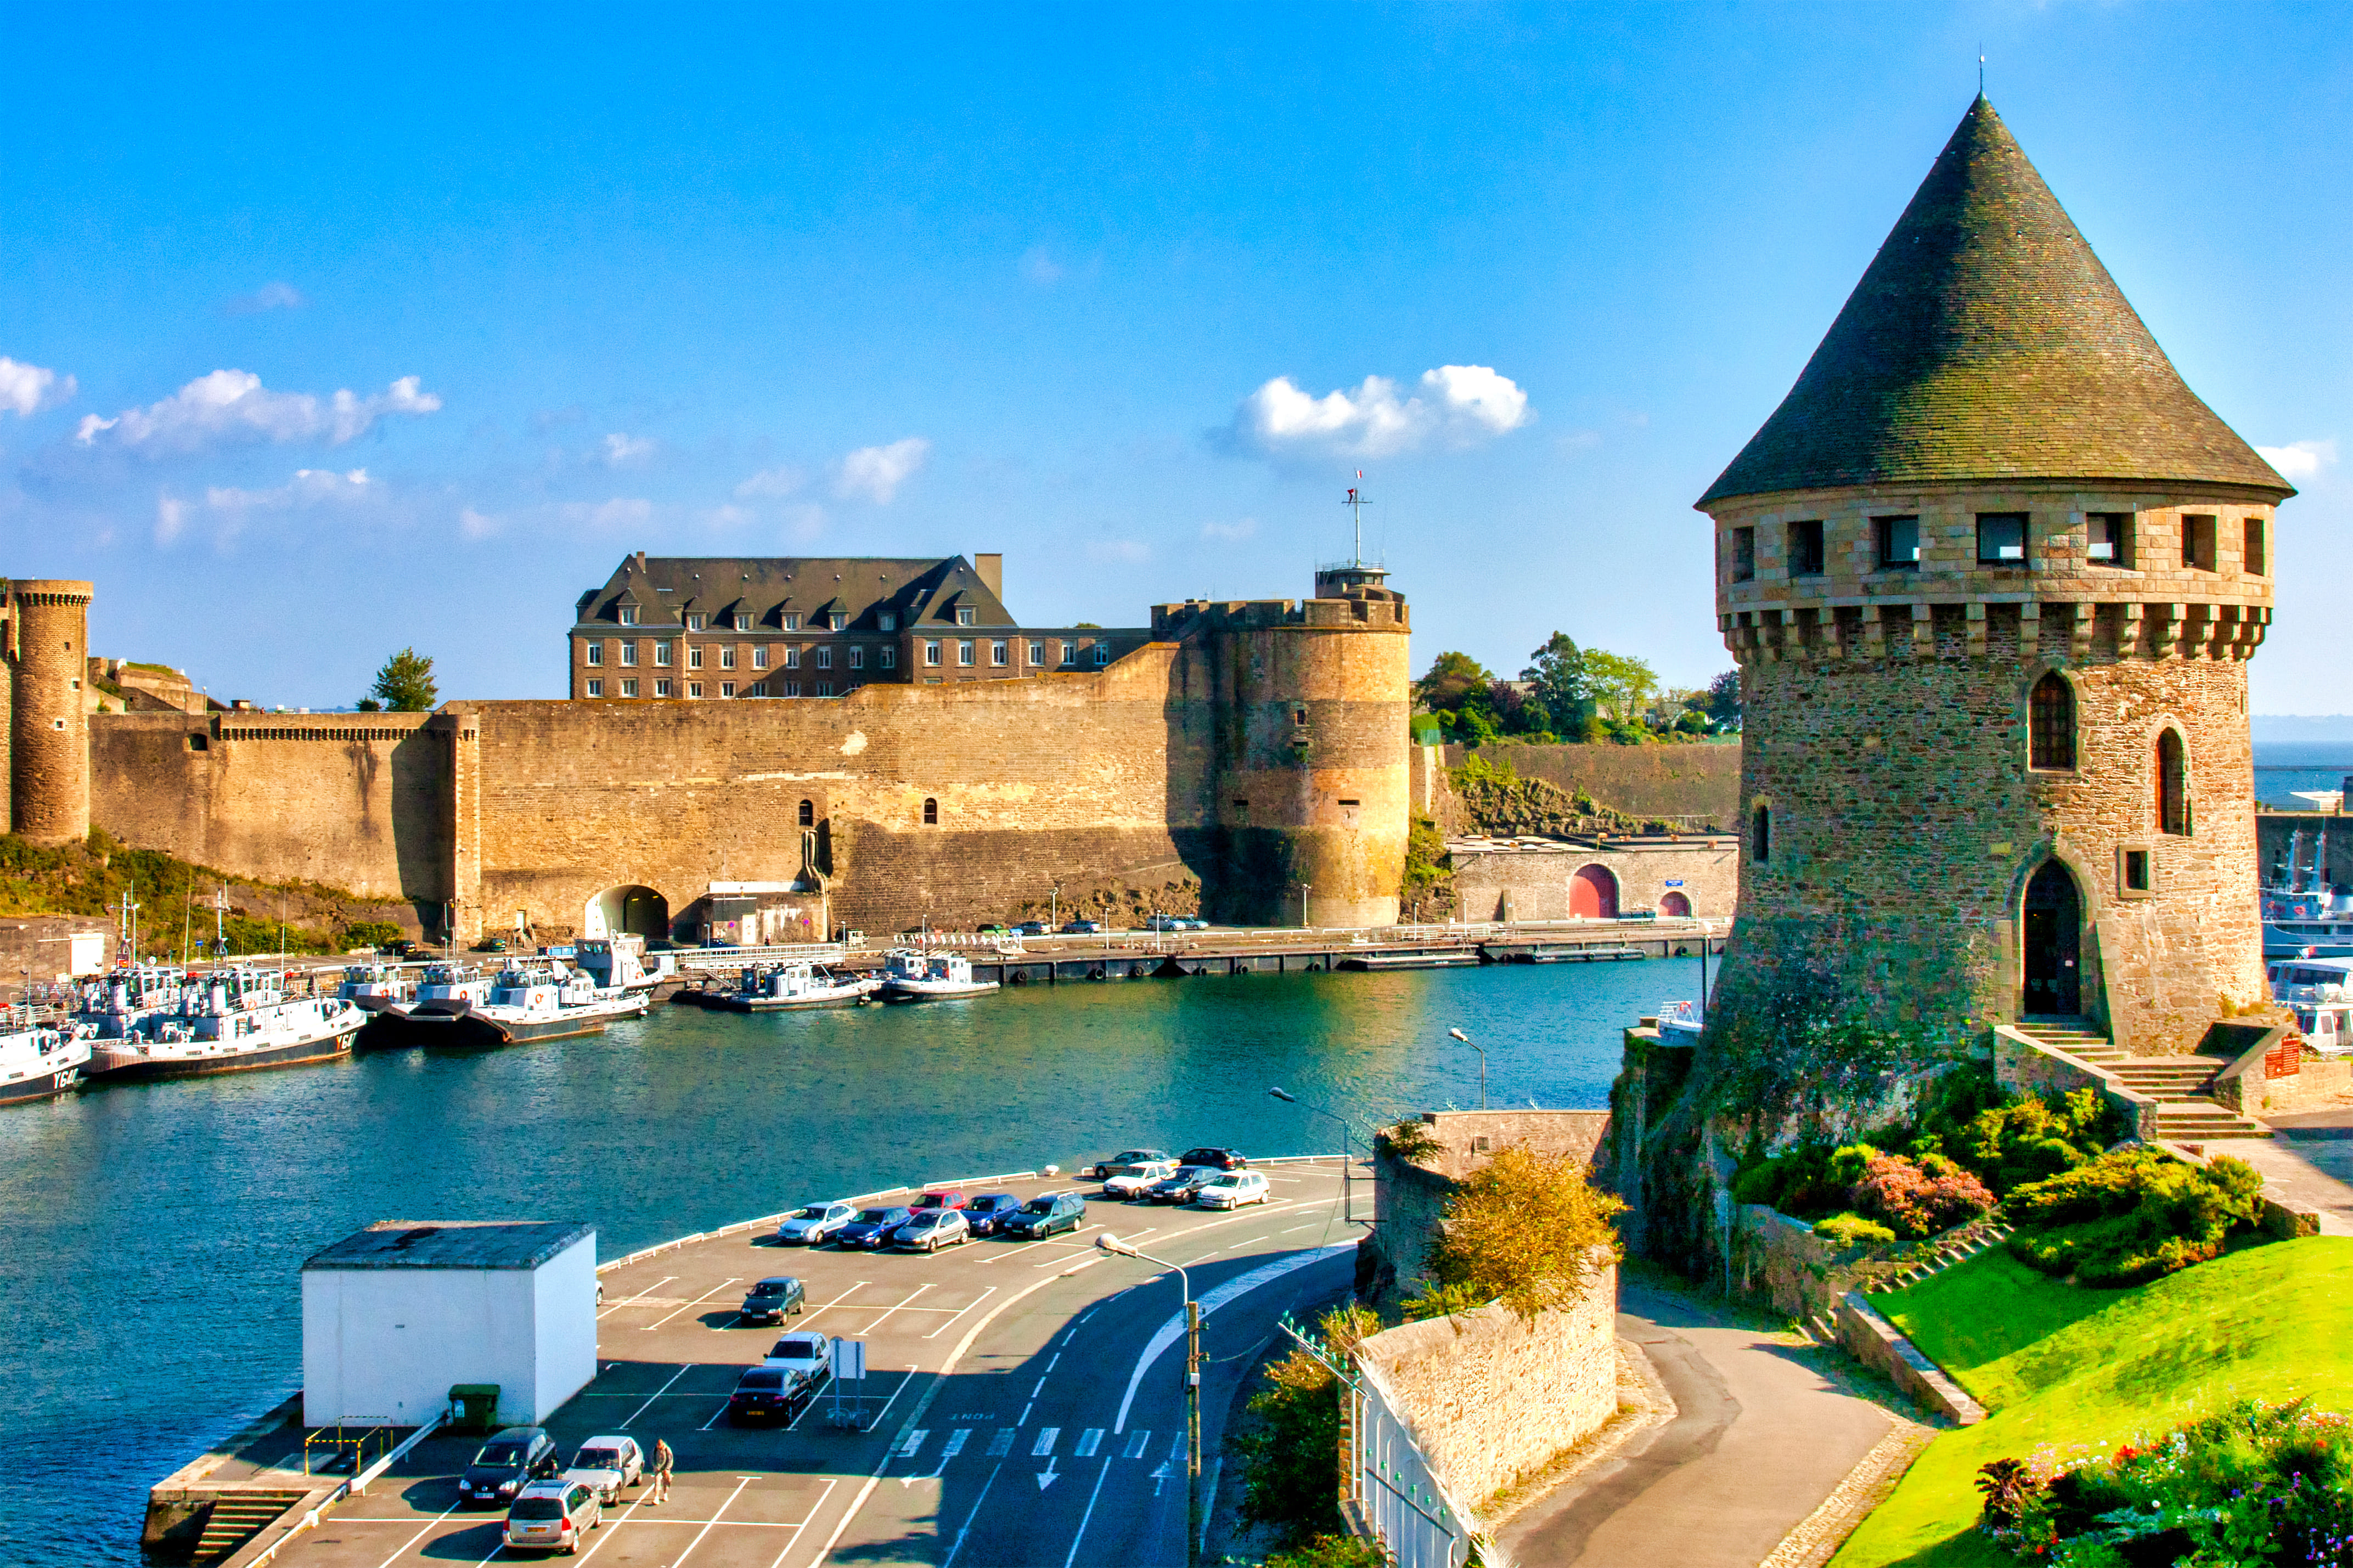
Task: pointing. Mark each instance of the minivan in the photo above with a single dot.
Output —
(1045, 1215)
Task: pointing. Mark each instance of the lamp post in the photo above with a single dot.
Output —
(1347, 1160)
(1305, 923)
(1482, 1063)
(1112, 1243)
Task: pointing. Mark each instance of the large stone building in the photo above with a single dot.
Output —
(1992, 574)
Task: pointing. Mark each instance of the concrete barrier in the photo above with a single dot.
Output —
(1871, 1339)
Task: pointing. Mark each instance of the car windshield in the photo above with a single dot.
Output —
(932, 1200)
(500, 1454)
(815, 1211)
(598, 1459)
(1039, 1205)
(875, 1216)
(990, 1202)
(761, 1378)
(537, 1507)
(796, 1350)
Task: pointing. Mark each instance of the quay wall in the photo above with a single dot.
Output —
(1536, 881)
(1649, 781)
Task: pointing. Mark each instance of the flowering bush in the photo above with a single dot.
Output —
(2249, 1486)
(1845, 1230)
(2131, 1215)
(1917, 1199)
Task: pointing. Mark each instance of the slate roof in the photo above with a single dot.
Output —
(1985, 342)
(666, 588)
(452, 1244)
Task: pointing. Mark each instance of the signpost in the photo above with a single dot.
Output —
(848, 1362)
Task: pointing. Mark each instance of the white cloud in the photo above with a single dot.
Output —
(1127, 549)
(1229, 530)
(1460, 405)
(171, 517)
(27, 389)
(877, 472)
(309, 487)
(621, 511)
(476, 524)
(726, 516)
(772, 484)
(628, 451)
(1041, 267)
(803, 524)
(232, 406)
(269, 297)
(2296, 461)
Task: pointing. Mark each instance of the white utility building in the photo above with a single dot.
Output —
(396, 1314)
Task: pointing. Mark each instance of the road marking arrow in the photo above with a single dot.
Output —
(1159, 1480)
(1047, 1478)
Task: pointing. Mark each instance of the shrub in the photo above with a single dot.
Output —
(2131, 1215)
(1334, 1552)
(1919, 1199)
(370, 933)
(1846, 1230)
(1290, 1454)
(2033, 1138)
(1522, 1229)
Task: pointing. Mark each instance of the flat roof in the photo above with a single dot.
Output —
(452, 1244)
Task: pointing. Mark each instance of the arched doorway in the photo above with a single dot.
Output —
(2054, 925)
(1675, 906)
(627, 911)
(1593, 894)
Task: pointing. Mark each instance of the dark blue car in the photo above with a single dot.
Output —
(986, 1214)
(872, 1227)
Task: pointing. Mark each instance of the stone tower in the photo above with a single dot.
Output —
(1992, 574)
(49, 729)
(1305, 704)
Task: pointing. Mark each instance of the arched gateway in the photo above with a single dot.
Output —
(627, 911)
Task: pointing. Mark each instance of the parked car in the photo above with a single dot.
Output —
(1081, 928)
(492, 944)
(808, 1227)
(1042, 1216)
(512, 1458)
(772, 1299)
(607, 1464)
(767, 1394)
(932, 1229)
(1223, 1159)
(807, 1355)
(1232, 1189)
(994, 929)
(1181, 1187)
(1192, 922)
(987, 1215)
(1103, 1168)
(872, 1227)
(1134, 1181)
(1032, 928)
(551, 1516)
(940, 1198)
(1166, 922)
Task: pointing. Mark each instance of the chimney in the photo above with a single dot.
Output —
(991, 568)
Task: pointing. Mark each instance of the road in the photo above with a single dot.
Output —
(1027, 1399)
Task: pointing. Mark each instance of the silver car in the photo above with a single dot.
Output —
(810, 1225)
(551, 1516)
(607, 1465)
(932, 1229)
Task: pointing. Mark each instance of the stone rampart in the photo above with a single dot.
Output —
(1532, 881)
(1661, 782)
(1410, 1192)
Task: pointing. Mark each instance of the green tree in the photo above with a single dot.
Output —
(1557, 670)
(1452, 678)
(1522, 1229)
(1290, 1453)
(1620, 686)
(1724, 697)
(404, 684)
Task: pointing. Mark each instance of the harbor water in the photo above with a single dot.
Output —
(154, 1232)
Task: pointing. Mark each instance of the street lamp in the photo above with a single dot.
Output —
(1482, 1063)
(1347, 1160)
(1305, 923)
(1112, 1243)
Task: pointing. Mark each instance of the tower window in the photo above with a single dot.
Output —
(1898, 539)
(1806, 548)
(931, 812)
(2172, 784)
(2137, 875)
(1760, 835)
(2051, 724)
(2198, 543)
(2255, 560)
(2108, 538)
(2001, 539)
(1743, 555)
(809, 814)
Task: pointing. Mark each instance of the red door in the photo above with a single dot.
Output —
(1593, 894)
(1675, 906)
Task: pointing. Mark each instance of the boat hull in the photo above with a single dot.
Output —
(933, 991)
(293, 1054)
(736, 1001)
(480, 1029)
(43, 1086)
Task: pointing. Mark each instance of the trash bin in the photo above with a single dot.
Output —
(474, 1406)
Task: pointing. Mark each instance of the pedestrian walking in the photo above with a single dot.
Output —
(662, 1460)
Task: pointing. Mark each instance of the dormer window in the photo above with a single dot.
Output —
(2001, 539)
(887, 621)
(835, 622)
(743, 622)
(1898, 539)
(792, 620)
(695, 623)
(963, 614)
(2107, 538)
(628, 615)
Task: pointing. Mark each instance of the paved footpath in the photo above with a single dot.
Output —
(1761, 1437)
(2310, 1163)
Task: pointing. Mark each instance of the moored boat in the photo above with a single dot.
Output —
(2319, 992)
(617, 964)
(909, 975)
(786, 987)
(374, 986)
(38, 1061)
(447, 993)
(539, 1002)
(232, 1020)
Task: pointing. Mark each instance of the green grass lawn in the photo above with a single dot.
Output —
(2072, 1369)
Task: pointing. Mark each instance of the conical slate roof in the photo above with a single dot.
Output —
(1986, 342)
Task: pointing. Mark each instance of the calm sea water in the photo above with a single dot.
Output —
(2283, 767)
(150, 1236)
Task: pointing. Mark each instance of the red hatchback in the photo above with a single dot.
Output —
(940, 1198)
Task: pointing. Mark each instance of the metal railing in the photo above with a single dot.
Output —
(331, 1449)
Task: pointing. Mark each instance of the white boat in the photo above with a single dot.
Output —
(535, 1001)
(617, 964)
(909, 975)
(1680, 1022)
(2319, 992)
(37, 1062)
(373, 987)
(784, 987)
(2302, 916)
(232, 1020)
(114, 1005)
(447, 993)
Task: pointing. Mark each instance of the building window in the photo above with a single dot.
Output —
(592, 652)
(825, 689)
(1898, 539)
(727, 657)
(792, 659)
(1805, 549)
(1760, 835)
(2108, 538)
(887, 658)
(2198, 543)
(694, 657)
(726, 688)
(792, 689)
(596, 688)
(825, 658)
(1069, 652)
(661, 653)
(931, 653)
(834, 623)
(887, 621)
(760, 657)
(743, 622)
(999, 654)
(628, 615)
(695, 623)
(2136, 872)
(2252, 559)
(964, 654)
(792, 620)
(2051, 724)
(931, 812)
(629, 688)
(759, 689)
(661, 688)
(628, 653)
(857, 657)
(1743, 555)
(809, 814)
(1037, 653)
(963, 614)
(2001, 539)
(2172, 784)
(1103, 653)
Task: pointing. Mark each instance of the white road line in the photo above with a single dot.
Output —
(1135, 1442)
(915, 1443)
(1025, 1414)
(1001, 1443)
(706, 1296)
(1045, 1443)
(1039, 1389)
(421, 1534)
(1240, 1285)
(1295, 1229)
(949, 1561)
(679, 1560)
(1089, 1441)
(804, 1524)
(658, 1393)
(628, 1300)
(644, 1490)
(715, 1414)
(1080, 1533)
(976, 1301)
(838, 1300)
(878, 1322)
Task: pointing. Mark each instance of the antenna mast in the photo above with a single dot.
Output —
(1356, 503)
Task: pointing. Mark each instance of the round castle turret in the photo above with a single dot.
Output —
(48, 731)
(1992, 573)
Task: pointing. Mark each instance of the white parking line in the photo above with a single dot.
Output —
(878, 1322)
(976, 1301)
(679, 1560)
(804, 1524)
(706, 1296)
(838, 1300)
(658, 1393)
(633, 1300)
(420, 1536)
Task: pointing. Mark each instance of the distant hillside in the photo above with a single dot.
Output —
(2291, 727)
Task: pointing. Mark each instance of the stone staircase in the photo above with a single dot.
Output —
(1979, 1236)
(237, 1517)
(2185, 1112)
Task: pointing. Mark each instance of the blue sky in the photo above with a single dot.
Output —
(409, 323)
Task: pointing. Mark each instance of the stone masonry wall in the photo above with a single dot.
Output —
(1409, 1195)
(1661, 780)
(1537, 879)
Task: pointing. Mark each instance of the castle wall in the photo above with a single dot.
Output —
(1535, 880)
(1646, 782)
(49, 744)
